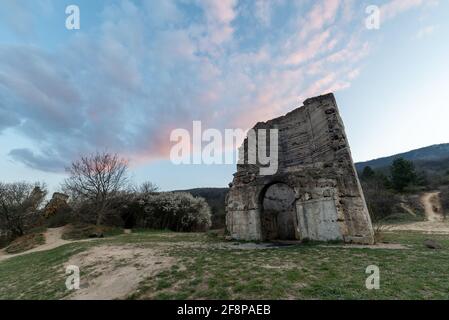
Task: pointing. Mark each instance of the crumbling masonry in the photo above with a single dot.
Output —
(314, 195)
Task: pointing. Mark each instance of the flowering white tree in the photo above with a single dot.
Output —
(177, 211)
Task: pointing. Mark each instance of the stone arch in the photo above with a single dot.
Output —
(277, 207)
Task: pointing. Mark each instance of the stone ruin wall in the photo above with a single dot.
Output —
(316, 163)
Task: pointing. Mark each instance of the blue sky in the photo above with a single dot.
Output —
(138, 69)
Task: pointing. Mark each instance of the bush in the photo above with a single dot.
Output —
(4, 241)
(84, 210)
(381, 202)
(444, 198)
(176, 211)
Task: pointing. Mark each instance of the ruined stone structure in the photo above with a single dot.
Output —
(57, 202)
(315, 193)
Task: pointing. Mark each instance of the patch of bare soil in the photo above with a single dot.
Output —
(114, 272)
(52, 240)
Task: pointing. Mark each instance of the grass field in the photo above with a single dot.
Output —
(205, 267)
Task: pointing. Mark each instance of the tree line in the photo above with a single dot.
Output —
(99, 192)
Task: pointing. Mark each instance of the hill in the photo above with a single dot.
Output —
(432, 156)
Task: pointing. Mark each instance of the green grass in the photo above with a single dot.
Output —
(39, 275)
(401, 218)
(207, 269)
(311, 271)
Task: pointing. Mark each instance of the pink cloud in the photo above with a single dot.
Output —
(131, 81)
(323, 13)
(219, 15)
(317, 45)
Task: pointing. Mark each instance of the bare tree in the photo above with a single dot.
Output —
(19, 205)
(97, 178)
(148, 187)
(144, 190)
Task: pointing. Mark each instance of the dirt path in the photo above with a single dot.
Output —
(435, 223)
(52, 240)
(110, 272)
(432, 206)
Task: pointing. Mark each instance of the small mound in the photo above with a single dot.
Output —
(86, 231)
(25, 243)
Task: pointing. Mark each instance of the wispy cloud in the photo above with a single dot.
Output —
(395, 7)
(132, 78)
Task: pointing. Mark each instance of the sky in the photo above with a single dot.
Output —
(136, 70)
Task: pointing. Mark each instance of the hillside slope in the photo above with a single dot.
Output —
(431, 154)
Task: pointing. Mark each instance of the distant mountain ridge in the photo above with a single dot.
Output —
(431, 153)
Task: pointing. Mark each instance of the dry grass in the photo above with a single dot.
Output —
(86, 231)
(26, 242)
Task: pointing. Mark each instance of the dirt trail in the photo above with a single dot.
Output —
(435, 223)
(52, 240)
(432, 206)
(111, 272)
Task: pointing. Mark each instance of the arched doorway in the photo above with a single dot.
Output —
(278, 218)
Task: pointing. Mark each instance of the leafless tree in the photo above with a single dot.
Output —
(97, 178)
(19, 205)
(144, 190)
(148, 187)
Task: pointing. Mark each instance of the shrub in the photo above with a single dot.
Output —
(381, 202)
(176, 211)
(84, 210)
(4, 240)
(444, 197)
